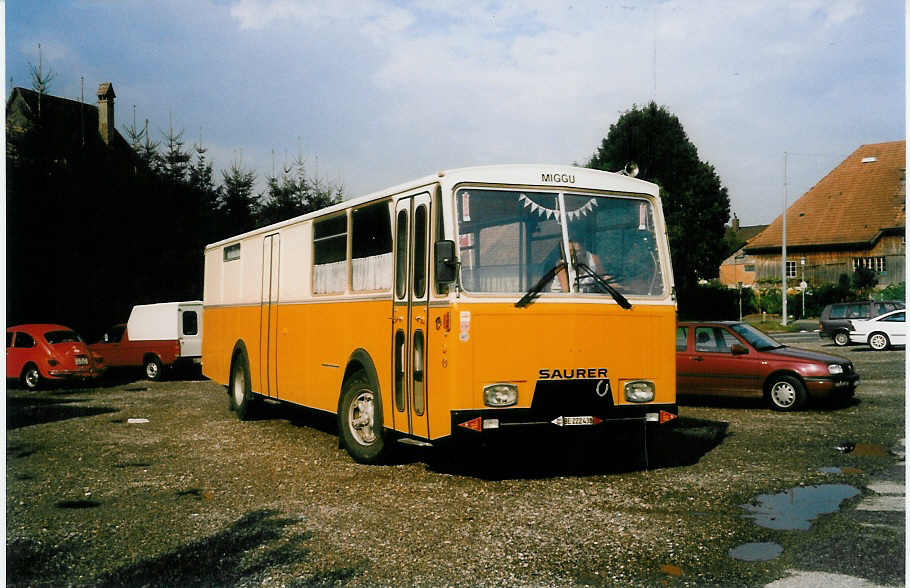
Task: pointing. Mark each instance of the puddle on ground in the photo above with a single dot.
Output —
(796, 508)
(756, 551)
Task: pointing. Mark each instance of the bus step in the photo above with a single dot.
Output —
(415, 442)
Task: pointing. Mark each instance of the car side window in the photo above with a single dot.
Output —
(838, 311)
(9, 339)
(726, 340)
(704, 339)
(115, 334)
(858, 311)
(682, 338)
(24, 341)
(897, 317)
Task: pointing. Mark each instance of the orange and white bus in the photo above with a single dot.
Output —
(472, 302)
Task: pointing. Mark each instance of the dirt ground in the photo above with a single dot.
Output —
(190, 496)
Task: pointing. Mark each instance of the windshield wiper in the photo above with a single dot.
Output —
(605, 285)
(531, 294)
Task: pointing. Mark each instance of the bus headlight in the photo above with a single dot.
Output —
(639, 391)
(499, 395)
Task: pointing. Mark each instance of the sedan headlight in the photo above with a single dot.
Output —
(639, 391)
(498, 395)
(835, 369)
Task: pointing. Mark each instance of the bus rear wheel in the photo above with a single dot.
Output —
(242, 399)
(360, 420)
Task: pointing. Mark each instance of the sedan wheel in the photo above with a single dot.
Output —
(879, 341)
(841, 339)
(786, 393)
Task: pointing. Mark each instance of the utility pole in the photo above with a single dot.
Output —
(783, 252)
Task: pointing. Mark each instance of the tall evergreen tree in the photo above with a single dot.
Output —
(696, 204)
(237, 204)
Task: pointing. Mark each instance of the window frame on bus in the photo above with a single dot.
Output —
(346, 289)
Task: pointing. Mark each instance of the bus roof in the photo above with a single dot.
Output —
(544, 175)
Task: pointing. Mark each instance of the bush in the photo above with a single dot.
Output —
(892, 292)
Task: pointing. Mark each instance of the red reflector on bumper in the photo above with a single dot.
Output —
(666, 417)
(475, 424)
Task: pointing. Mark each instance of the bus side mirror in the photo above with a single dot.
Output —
(444, 254)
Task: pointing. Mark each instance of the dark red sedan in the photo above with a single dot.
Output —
(736, 359)
(36, 352)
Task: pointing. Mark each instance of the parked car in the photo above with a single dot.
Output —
(156, 338)
(736, 359)
(42, 352)
(880, 332)
(834, 321)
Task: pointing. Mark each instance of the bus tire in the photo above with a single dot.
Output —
(785, 393)
(360, 426)
(242, 399)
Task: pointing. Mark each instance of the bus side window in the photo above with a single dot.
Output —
(371, 248)
(330, 241)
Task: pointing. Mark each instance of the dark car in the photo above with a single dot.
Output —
(736, 359)
(38, 352)
(834, 322)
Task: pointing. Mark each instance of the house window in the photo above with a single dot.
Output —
(791, 269)
(749, 267)
(876, 264)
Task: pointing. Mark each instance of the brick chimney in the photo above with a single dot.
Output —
(106, 122)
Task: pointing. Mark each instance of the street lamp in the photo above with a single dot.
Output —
(803, 284)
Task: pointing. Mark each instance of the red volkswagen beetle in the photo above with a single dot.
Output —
(35, 353)
(736, 359)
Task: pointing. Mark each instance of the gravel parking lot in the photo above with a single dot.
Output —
(190, 496)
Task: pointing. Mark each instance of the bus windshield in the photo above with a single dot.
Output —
(510, 239)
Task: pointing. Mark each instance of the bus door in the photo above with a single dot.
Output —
(410, 314)
(268, 317)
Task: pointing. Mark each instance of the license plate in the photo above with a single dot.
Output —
(566, 421)
(81, 361)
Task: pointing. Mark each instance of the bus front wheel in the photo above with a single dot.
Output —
(360, 420)
(242, 399)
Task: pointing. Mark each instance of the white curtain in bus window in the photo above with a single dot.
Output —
(330, 255)
(371, 248)
(615, 238)
(507, 239)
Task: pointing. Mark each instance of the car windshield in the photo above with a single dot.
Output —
(754, 337)
(509, 240)
(54, 337)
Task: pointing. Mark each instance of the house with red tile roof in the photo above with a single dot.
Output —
(854, 217)
(739, 268)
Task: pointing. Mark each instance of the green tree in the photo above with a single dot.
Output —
(293, 194)
(237, 205)
(696, 204)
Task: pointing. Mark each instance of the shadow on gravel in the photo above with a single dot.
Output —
(622, 449)
(23, 411)
(814, 405)
(251, 547)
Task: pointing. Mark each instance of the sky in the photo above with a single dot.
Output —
(372, 93)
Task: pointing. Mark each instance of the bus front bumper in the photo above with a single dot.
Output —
(486, 422)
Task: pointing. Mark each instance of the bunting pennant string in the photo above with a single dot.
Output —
(553, 213)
